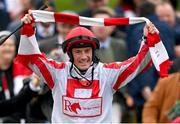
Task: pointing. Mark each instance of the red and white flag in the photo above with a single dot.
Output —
(46, 16)
(157, 50)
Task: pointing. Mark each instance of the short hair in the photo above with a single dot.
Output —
(146, 8)
(165, 3)
(104, 10)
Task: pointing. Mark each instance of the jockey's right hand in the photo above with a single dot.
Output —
(27, 19)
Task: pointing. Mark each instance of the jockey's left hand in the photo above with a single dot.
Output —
(150, 28)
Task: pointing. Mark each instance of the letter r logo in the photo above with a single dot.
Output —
(67, 105)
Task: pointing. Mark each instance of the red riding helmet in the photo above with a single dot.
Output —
(80, 37)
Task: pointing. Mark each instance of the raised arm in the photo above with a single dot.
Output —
(30, 55)
(120, 73)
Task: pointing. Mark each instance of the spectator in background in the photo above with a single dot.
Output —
(11, 74)
(163, 98)
(166, 13)
(39, 109)
(92, 5)
(95, 4)
(25, 6)
(140, 88)
(18, 103)
(45, 30)
(5, 18)
(111, 49)
(125, 8)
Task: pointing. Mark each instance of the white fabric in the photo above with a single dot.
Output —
(91, 21)
(117, 113)
(28, 45)
(158, 54)
(18, 84)
(43, 16)
(135, 20)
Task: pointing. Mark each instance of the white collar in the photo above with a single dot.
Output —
(105, 44)
(75, 72)
(60, 39)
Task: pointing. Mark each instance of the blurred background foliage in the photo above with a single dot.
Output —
(76, 5)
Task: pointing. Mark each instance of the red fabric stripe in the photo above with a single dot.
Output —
(153, 39)
(20, 70)
(164, 67)
(45, 72)
(27, 30)
(73, 84)
(36, 59)
(116, 21)
(26, 59)
(4, 82)
(68, 19)
(115, 65)
(131, 68)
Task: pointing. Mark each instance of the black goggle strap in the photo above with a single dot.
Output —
(89, 82)
(65, 43)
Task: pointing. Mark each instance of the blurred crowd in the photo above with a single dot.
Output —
(147, 98)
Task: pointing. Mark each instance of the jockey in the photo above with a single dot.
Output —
(82, 88)
(75, 39)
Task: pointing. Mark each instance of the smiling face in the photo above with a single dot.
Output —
(82, 57)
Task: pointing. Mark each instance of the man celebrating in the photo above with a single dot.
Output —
(82, 88)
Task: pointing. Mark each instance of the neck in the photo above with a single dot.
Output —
(82, 71)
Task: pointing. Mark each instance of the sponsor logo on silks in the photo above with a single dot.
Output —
(75, 106)
(82, 107)
(72, 107)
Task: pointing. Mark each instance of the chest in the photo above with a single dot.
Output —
(80, 100)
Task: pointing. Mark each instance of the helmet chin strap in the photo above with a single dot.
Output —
(81, 72)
